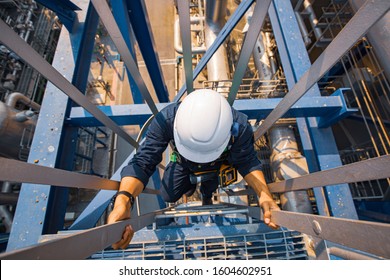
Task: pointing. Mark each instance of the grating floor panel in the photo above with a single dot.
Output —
(280, 245)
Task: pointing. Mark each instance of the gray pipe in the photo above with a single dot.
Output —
(217, 68)
(16, 97)
(177, 40)
(313, 19)
(379, 36)
(286, 163)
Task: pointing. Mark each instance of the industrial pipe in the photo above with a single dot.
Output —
(217, 67)
(260, 54)
(379, 37)
(313, 19)
(287, 162)
(177, 37)
(16, 97)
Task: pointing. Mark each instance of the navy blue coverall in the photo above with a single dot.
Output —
(176, 179)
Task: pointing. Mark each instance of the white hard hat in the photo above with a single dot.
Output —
(202, 126)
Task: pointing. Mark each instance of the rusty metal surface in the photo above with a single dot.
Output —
(370, 169)
(368, 237)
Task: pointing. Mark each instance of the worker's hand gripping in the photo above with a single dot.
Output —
(268, 204)
(121, 211)
(129, 189)
(257, 181)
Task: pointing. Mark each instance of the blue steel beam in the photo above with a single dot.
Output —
(64, 9)
(223, 34)
(319, 144)
(34, 212)
(326, 108)
(119, 10)
(140, 23)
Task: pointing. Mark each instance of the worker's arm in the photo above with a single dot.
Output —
(256, 180)
(122, 208)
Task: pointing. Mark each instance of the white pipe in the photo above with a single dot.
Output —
(177, 39)
(16, 97)
(217, 67)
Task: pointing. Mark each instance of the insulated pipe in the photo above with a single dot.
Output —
(286, 161)
(379, 36)
(16, 97)
(313, 19)
(260, 54)
(217, 67)
(270, 52)
(177, 40)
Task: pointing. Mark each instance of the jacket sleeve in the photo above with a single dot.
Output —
(149, 154)
(242, 153)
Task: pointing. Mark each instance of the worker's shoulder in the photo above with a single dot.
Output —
(169, 111)
(239, 117)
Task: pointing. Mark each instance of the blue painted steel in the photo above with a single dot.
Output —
(323, 107)
(84, 53)
(319, 145)
(140, 22)
(136, 114)
(377, 211)
(64, 9)
(333, 118)
(119, 10)
(223, 34)
(35, 213)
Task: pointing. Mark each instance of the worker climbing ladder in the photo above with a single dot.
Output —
(350, 233)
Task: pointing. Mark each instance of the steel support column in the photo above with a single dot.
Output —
(64, 9)
(119, 10)
(319, 144)
(140, 22)
(32, 216)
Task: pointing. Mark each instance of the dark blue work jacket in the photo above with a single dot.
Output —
(240, 153)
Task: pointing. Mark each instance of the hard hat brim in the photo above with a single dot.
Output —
(199, 157)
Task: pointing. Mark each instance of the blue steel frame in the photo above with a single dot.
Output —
(119, 9)
(140, 23)
(318, 143)
(64, 9)
(328, 109)
(34, 215)
(42, 208)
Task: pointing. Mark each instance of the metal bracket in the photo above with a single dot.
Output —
(329, 120)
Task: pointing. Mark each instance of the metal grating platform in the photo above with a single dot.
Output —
(276, 245)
